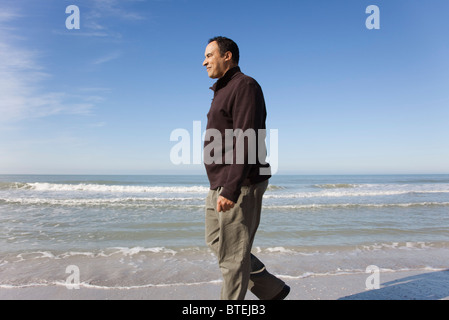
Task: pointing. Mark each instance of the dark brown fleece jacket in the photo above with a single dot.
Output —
(238, 103)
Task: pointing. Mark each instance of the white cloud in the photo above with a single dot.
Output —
(115, 8)
(99, 17)
(7, 15)
(109, 57)
(97, 124)
(22, 78)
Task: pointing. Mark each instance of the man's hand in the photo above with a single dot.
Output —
(224, 204)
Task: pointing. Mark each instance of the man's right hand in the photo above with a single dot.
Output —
(224, 204)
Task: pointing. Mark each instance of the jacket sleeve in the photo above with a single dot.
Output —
(247, 113)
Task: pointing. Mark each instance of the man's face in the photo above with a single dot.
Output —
(215, 64)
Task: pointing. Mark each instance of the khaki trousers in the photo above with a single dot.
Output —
(230, 235)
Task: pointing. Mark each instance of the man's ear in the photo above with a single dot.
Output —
(228, 56)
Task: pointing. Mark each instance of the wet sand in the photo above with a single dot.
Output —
(398, 285)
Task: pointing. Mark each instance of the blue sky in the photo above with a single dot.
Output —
(104, 99)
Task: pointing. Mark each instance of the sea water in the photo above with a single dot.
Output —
(137, 231)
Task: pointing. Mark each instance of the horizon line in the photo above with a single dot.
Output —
(204, 174)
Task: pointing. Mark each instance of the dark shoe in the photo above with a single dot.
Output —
(284, 293)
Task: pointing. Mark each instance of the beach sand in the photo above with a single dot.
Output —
(398, 285)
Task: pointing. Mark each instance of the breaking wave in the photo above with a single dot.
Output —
(41, 186)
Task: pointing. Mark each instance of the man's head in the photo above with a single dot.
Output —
(221, 55)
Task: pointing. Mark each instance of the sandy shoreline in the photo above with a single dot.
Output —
(399, 285)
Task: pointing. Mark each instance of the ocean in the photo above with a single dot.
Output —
(141, 231)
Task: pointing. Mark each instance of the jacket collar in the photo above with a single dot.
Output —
(223, 81)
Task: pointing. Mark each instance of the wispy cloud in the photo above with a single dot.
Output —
(7, 15)
(99, 17)
(115, 8)
(97, 124)
(109, 57)
(22, 78)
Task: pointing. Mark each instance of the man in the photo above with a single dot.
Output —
(234, 203)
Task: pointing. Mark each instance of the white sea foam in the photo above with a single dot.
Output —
(336, 186)
(125, 268)
(35, 255)
(365, 191)
(304, 275)
(121, 202)
(273, 191)
(356, 205)
(198, 202)
(77, 218)
(138, 250)
(338, 250)
(39, 186)
(93, 286)
(340, 272)
(109, 252)
(133, 251)
(278, 249)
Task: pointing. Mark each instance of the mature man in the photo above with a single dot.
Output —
(234, 203)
